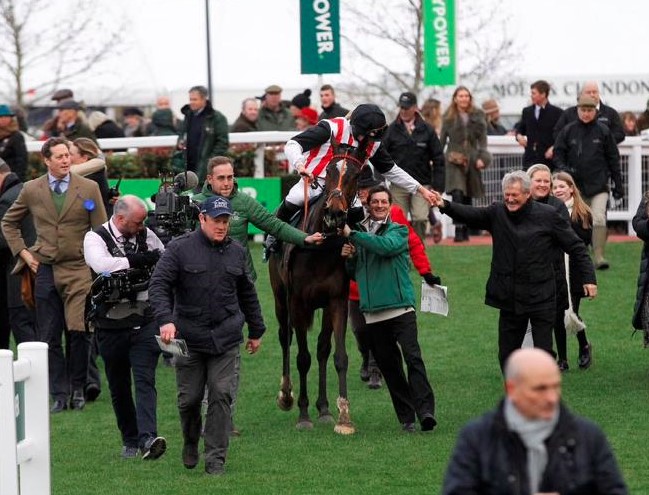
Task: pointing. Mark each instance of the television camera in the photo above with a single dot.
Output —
(174, 214)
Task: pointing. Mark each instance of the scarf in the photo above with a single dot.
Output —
(533, 433)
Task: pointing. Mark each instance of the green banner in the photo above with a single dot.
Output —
(440, 56)
(320, 36)
(267, 191)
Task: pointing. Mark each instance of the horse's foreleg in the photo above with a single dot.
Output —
(303, 366)
(323, 353)
(344, 426)
(285, 395)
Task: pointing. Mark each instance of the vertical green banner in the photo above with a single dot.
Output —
(320, 36)
(439, 43)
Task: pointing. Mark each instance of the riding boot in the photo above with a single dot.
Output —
(599, 243)
(285, 212)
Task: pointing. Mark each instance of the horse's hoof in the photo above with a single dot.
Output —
(285, 402)
(304, 424)
(326, 418)
(345, 429)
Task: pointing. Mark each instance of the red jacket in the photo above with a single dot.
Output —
(416, 247)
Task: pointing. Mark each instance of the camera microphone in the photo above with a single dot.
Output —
(185, 181)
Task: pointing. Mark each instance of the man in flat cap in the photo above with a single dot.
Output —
(69, 124)
(273, 116)
(587, 150)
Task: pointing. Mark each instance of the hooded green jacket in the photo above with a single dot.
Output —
(248, 210)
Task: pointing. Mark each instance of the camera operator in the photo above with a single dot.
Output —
(123, 252)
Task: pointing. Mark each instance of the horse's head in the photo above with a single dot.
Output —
(340, 186)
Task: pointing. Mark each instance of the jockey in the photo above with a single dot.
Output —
(310, 151)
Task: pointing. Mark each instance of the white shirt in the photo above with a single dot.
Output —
(98, 256)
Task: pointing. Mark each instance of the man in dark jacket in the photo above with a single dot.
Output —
(330, 108)
(532, 443)
(247, 120)
(522, 280)
(535, 130)
(586, 149)
(203, 133)
(413, 144)
(201, 292)
(605, 115)
(13, 312)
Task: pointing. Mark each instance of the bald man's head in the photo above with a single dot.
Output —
(533, 383)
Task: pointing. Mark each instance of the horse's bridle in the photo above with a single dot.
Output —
(338, 191)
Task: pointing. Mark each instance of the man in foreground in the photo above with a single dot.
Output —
(532, 444)
(201, 292)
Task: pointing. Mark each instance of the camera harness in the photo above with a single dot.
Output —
(95, 308)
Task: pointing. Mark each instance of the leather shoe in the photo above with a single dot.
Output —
(375, 380)
(563, 365)
(585, 356)
(428, 422)
(78, 400)
(58, 406)
(190, 455)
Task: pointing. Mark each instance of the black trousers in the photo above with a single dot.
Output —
(512, 328)
(363, 337)
(131, 356)
(392, 342)
(66, 373)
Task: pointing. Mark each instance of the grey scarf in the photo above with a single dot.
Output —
(533, 433)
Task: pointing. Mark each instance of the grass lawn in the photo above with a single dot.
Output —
(272, 456)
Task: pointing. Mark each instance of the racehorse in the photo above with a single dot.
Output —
(305, 279)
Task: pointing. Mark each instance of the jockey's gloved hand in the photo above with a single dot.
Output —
(432, 279)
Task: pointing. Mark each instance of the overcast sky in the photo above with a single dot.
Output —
(256, 42)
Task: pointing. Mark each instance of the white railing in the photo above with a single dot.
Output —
(507, 154)
(25, 430)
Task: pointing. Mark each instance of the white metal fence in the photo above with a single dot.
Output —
(25, 430)
(507, 156)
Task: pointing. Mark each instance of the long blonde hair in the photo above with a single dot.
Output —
(580, 210)
(452, 111)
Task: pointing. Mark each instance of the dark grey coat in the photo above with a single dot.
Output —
(640, 224)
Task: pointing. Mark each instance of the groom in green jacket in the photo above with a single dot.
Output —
(379, 260)
(220, 180)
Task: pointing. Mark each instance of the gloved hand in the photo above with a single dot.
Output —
(143, 260)
(432, 279)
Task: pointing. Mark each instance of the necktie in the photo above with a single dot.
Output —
(537, 112)
(57, 187)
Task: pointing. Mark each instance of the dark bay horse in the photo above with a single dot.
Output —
(305, 279)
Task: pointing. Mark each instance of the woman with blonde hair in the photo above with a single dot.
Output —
(88, 161)
(464, 134)
(581, 219)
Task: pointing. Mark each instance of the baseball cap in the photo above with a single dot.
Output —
(216, 206)
(407, 100)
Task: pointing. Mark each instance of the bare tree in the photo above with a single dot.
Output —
(386, 47)
(44, 45)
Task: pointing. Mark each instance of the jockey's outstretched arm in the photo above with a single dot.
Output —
(384, 163)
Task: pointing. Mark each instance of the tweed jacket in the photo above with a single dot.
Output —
(59, 236)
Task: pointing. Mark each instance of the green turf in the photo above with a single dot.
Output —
(272, 456)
